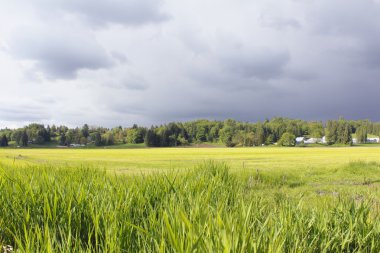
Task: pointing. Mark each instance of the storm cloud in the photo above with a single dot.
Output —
(263, 64)
(130, 12)
(59, 53)
(149, 61)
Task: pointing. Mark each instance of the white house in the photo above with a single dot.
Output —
(373, 139)
(313, 140)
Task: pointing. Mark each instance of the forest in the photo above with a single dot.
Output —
(279, 130)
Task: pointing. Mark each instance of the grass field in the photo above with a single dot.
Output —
(190, 200)
(184, 158)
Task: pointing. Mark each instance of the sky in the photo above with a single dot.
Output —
(120, 62)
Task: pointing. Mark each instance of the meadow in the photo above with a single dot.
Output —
(190, 200)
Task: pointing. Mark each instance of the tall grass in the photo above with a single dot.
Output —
(207, 209)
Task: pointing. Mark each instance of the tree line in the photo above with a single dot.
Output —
(282, 131)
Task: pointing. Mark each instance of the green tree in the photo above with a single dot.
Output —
(118, 134)
(62, 139)
(259, 137)
(85, 130)
(270, 139)
(151, 138)
(164, 134)
(214, 133)
(338, 132)
(37, 133)
(133, 135)
(181, 140)
(107, 139)
(201, 134)
(3, 141)
(24, 139)
(361, 134)
(70, 137)
(331, 132)
(315, 129)
(287, 139)
(97, 138)
(344, 132)
(53, 131)
(227, 133)
(243, 138)
(347, 134)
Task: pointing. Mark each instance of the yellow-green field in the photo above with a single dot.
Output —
(314, 171)
(190, 200)
(132, 160)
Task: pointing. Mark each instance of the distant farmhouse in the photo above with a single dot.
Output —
(313, 140)
(373, 139)
(369, 140)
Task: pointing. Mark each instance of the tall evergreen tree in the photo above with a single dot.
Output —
(97, 138)
(331, 132)
(85, 131)
(259, 138)
(24, 139)
(347, 136)
(3, 141)
(62, 139)
(151, 139)
(361, 134)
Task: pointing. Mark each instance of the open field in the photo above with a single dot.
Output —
(312, 169)
(191, 200)
(182, 158)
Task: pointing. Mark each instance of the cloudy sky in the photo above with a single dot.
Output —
(119, 62)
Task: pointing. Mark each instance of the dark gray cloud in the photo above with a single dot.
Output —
(129, 82)
(263, 64)
(125, 12)
(127, 109)
(371, 54)
(98, 14)
(355, 27)
(59, 52)
(137, 85)
(122, 58)
(23, 113)
(66, 43)
(119, 62)
(280, 23)
(345, 17)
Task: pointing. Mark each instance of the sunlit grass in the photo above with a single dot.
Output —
(207, 209)
(178, 200)
(163, 158)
